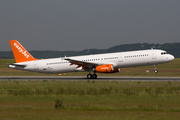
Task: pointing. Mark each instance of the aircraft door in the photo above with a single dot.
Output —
(120, 58)
(153, 54)
(35, 65)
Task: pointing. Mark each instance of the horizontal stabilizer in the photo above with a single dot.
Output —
(16, 66)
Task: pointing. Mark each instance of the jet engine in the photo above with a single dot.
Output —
(107, 68)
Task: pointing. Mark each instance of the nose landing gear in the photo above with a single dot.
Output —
(155, 70)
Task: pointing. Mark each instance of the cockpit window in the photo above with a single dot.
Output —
(163, 53)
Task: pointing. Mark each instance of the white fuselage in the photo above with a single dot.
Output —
(118, 60)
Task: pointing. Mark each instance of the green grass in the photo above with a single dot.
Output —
(167, 69)
(89, 100)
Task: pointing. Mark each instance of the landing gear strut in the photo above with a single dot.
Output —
(156, 71)
(90, 76)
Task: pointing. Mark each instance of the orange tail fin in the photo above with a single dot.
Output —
(20, 53)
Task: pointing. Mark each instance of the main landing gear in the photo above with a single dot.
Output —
(156, 71)
(91, 76)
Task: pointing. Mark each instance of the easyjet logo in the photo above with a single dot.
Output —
(105, 68)
(21, 50)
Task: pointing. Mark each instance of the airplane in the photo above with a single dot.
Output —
(98, 63)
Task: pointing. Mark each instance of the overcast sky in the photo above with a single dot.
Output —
(83, 24)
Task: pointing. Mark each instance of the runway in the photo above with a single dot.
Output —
(100, 78)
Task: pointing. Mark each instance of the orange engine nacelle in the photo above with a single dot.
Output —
(108, 68)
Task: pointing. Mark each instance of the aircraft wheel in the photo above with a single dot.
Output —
(89, 76)
(94, 76)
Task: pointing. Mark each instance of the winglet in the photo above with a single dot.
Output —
(20, 53)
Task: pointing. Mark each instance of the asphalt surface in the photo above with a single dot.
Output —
(109, 78)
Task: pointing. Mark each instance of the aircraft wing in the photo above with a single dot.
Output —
(83, 64)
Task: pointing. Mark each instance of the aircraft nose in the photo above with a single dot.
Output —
(171, 57)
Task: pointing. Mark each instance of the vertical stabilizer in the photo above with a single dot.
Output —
(20, 53)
